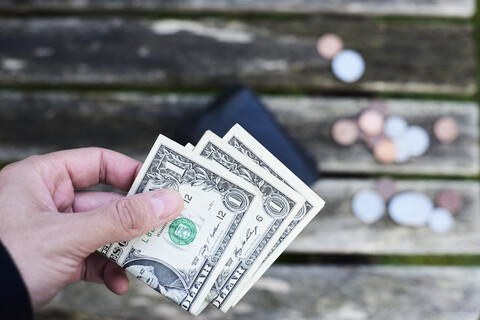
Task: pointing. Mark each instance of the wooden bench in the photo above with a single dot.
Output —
(302, 292)
(117, 73)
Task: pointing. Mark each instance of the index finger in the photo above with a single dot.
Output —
(88, 167)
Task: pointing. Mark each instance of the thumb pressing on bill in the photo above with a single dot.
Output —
(130, 217)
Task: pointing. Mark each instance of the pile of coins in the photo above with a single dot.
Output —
(412, 209)
(347, 65)
(391, 139)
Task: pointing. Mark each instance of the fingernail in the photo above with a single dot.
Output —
(166, 203)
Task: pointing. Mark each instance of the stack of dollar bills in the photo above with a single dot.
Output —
(242, 208)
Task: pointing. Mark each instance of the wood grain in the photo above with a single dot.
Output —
(447, 8)
(272, 52)
(266, 53)
(304, 292)
(39, 122)
(336, 230)
(310, 121)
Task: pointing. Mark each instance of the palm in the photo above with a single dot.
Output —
(48, 209)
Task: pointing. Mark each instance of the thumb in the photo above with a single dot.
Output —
(129, 217)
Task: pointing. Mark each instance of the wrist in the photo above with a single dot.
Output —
(14, 298)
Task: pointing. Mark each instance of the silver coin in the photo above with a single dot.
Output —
(410, 209)
(368, 206)
(348, 66)
(403, 149)
(418, 141)
(394, 127)
(440, 221)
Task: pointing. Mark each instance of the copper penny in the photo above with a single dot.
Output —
(446, 129)
(385, 151)
(329, 45)
(371, 122)
(449, 200)
(386, 188)
(345, 132)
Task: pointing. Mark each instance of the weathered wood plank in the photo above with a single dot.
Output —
(336, 230)
(308, 292)
(39, 122)
(42, 122)
(310, 121)
(447, 8)
(265, 53)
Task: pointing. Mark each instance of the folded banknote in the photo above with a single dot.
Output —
(242, 207)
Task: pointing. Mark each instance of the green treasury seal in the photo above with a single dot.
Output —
(182, 231)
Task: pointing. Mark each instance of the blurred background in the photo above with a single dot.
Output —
(116, 73)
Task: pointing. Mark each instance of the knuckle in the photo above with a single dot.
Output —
(12, 167)
(7, 169)
(11, 172)
(132, 215)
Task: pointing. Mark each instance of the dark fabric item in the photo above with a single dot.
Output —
(240, 105)
(14, 299)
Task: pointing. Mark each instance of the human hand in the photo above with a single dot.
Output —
(51, 230)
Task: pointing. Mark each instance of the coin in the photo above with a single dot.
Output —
(418, 141)
(395, 126)
(371, 122)
(385, 151)
(348, 66)
(446, 129)
(449, 200)
(345, 132)
(410, 209)
(368, 206)
(329, 45)
(403, 149)
(385, 188)
(440, 221)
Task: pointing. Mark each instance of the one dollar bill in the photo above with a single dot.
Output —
(242, 141)
(183, 258)
(280, 204)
